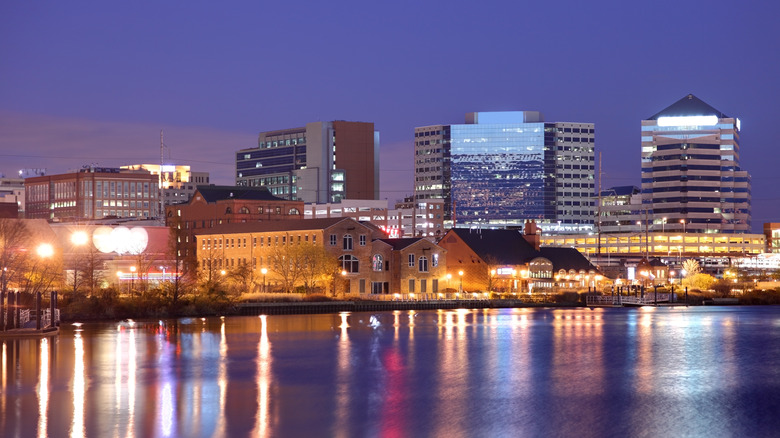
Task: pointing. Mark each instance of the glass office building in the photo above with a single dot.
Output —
(503, 168)
(691, 178)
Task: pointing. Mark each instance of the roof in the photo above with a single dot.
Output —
(566, 258)
(402, 243)
(620, 191)
(510, 247)
(272, 226)
(502, 246)
(689, 105)
(218, 193)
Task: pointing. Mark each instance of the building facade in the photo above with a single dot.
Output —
(503, 168)
(92, 193)
(410, 218)
(322, 162)
(690, 170)
(368, 263)
(177, 182)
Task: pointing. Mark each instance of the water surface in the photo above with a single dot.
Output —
(455, 373)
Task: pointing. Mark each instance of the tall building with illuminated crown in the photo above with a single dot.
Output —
(691, 178)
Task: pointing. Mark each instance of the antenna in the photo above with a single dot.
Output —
(160, 178)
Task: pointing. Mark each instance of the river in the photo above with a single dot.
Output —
(656, 372)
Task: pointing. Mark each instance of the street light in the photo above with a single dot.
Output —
(682, 221)
(344, 276)
(663, 225)
(132, 279)
(460, 273)
(264, 271)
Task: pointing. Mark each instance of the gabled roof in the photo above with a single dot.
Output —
(689, 105)
(398, 244)
(273, 226)
(502, 246)
(510, 247)
(218, 193)
(566, 258)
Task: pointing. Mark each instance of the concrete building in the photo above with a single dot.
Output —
(369, 263)
(621, 210)
(424, 218)
(323, 162)
(772, 234)
(92, 193)
(690, 170)
(503, 168)
(177, 182)
(12, 192)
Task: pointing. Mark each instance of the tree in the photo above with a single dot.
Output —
(691, 267)
(14, 236)
(285, 262)
(317, 264)
(699, 281)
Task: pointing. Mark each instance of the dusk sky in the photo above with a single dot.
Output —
(95, 82)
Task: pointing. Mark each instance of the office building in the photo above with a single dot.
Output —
(177, 182)
(503, 168)
(322, 162)
(92, 193)
(690, 170)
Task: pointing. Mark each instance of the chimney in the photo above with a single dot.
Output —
(531, 234)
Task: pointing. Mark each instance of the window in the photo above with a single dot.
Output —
(362, 240)
(349, 263)
(411, 260)
(332, 240)
(423, 286)
(228, 210)
(411, 285)
(422, 264)
(294, 211)
(347, 242)
(377, 263)
(260, 210)
(278, 210)
(244, 210)
(435, 260)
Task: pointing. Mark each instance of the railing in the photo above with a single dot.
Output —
(427, 296)
(617, 300)
(24, 317)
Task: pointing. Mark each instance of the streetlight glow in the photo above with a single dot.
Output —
(45, 250)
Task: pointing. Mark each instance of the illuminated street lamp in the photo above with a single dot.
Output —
(663, 225)
(449, 277)
(344, 276)
(45, 250)
(460, 274)
(264, 271)
(682, 221)
(132, 279)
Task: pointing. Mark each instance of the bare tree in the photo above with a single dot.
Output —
(317, 265)
(14, 236)
(285, 263)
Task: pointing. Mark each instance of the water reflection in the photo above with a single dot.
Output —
(428, 373)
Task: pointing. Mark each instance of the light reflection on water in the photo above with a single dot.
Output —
(509, 372)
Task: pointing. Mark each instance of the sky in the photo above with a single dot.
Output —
(94, 82)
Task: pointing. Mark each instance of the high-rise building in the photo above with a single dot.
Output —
(503, 168)
(320, 163)
(690, 170)
(92, 193)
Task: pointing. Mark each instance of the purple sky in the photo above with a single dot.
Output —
(94, 82)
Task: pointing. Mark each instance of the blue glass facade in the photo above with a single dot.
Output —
(498, 171)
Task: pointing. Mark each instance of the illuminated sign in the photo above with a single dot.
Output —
(688, 121)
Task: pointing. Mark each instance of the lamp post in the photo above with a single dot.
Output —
(460, 274)
(132, 280)
(78, 238)
(264, 271)
(344, 276)
(682, 221)
(663, 225)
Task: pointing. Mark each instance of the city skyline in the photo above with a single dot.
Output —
(86, 84)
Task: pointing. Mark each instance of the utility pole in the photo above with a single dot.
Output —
(598, 211)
